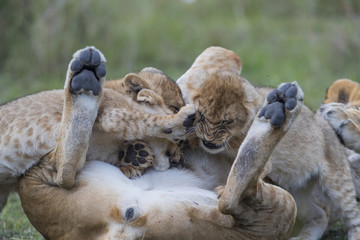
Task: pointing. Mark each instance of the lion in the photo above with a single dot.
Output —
(174, 204)
(341, 109)
(309, 161)
(343, 91)
(112, 113)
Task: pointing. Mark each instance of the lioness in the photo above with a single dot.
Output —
(175, 204)
(309, 161)
(126, 109)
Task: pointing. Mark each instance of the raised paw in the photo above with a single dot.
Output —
(87, 72)
(286, 98)
(135, 156)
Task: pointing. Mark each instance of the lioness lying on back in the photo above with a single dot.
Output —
(174, 204)
(126, 109)
(309, 161)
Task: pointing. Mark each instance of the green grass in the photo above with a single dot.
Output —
(14, 223)
(313, 42)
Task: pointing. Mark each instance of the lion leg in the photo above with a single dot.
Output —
(245, 195)
(83, 92)
(172, 127)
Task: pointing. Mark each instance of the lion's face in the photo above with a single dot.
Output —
(165, 87)
(222, 112)
(334, 113)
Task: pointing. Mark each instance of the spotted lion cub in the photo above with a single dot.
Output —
(309, 161)
(87, 120)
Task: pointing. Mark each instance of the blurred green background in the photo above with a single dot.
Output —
(313, 42)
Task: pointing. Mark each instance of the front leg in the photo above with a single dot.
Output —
(139, 125)
(83, 93)
(245, 195)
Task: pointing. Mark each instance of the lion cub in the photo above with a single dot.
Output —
(86, 112)
(309, 161)
(342, 111)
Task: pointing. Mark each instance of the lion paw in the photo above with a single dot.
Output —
(176, 156)
(284, 100)
(86, 69)
(136, 157)
(181, 125)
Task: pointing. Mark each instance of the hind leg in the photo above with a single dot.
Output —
(83, 92)
(263, 210)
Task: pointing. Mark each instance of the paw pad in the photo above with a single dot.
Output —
(279, 99)
(87, 68)
(136, 157)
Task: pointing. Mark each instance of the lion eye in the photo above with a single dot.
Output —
(227, 122)
(175, 108)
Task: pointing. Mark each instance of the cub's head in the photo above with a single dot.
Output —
(338, 114)
(165, 87)
(344, 91)
(225, 105)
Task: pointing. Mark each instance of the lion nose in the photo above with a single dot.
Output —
(210, 145)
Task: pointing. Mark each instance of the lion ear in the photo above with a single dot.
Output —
(190, 83)
(133, 84)
(150, 97)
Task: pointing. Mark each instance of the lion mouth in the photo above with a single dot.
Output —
(211, 145)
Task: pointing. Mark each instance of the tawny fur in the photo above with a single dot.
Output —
(308, 161)
(123, 110)
(342, 111)
(176, 204)
(344, 91)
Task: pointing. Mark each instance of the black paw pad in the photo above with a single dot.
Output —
(136, 154)
(90, 57)
(76, 66)
(189, 121)
(130, 154)
(278, 100)
(274, 112)
(290, 104)
(139, 146)
(85, 81)
(100, 71)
